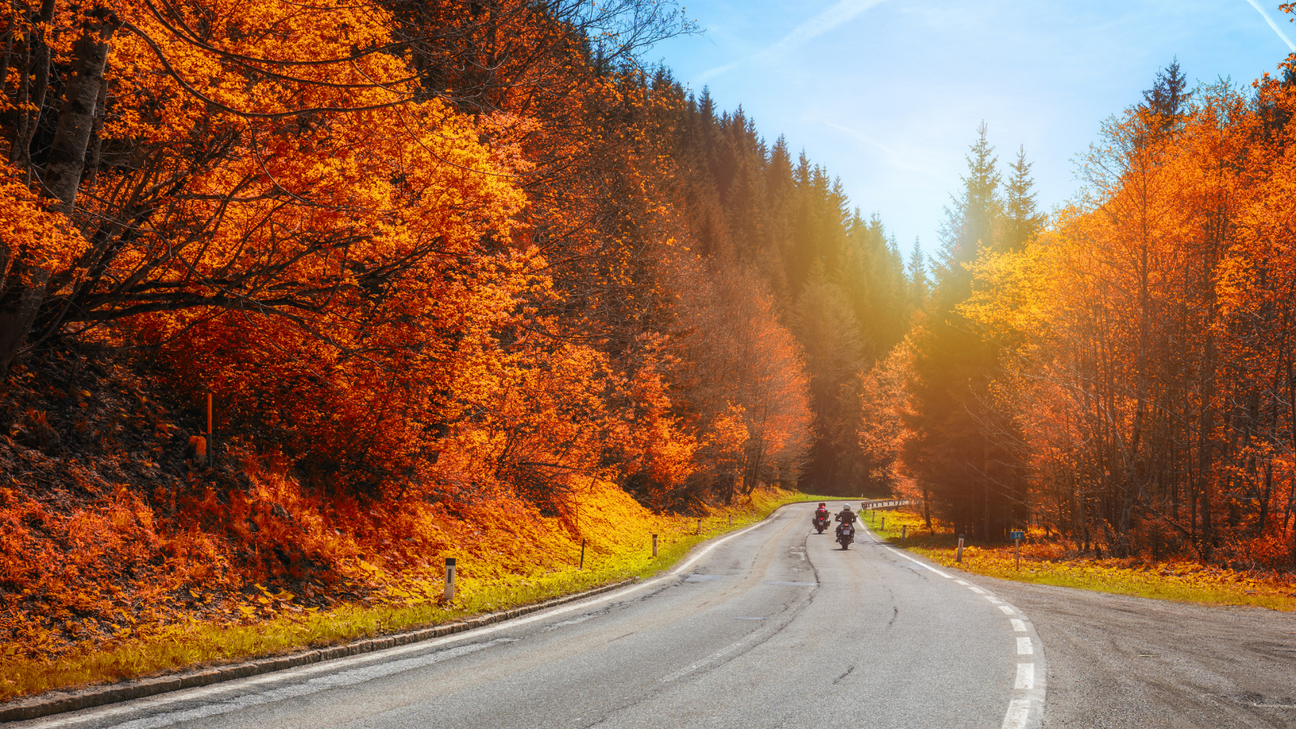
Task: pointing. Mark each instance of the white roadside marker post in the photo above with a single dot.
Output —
(449, 580)
(654, 546)
(1017, 535)
(959, 557)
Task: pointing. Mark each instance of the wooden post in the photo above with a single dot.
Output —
(211, 439)
(582, 562)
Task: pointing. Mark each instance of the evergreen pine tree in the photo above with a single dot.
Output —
(970, 224)
(1022, 221)
(916, 275)
(1167, 99)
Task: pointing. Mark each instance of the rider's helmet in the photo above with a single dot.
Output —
(821, 503)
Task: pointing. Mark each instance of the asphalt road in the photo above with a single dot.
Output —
(773, 626)
(1117, 661)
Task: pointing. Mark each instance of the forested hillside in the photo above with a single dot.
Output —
(445, 269)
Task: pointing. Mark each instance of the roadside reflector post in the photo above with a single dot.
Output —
(450, 574)
(1017, 535)
(654, 546)
(959, 557)
(883, 524)
(904, 529)
(731, 520)
(699, 529)
(582, 562)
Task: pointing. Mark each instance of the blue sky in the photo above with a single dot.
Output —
(887, 94)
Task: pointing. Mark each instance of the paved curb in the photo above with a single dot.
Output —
(57, 702)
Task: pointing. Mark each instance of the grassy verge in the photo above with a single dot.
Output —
(1046, 564)
(195, 643)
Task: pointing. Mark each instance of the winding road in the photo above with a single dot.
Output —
(772, 626)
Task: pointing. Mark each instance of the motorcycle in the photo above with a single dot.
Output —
(845, 535)
(820, 522)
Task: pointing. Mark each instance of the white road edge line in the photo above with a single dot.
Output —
(1025, 677)
(1026, 712)
(1019, 711)
(919, 563)
(338, 664)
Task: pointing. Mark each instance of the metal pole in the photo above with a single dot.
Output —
(654, 546)
(582, 562)
(1017, 552)
(449, 581)
(959, 557)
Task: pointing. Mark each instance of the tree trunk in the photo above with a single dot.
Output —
(25, 288)
(67, 156)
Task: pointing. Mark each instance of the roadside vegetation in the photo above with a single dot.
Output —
(1048, 561)
(331, 293)
(618, 536)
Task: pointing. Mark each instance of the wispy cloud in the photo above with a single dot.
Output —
(1260, 9)
(825, 21)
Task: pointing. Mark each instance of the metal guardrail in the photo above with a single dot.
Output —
(889, 503)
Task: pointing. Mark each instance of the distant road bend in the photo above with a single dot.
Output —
(772, 626)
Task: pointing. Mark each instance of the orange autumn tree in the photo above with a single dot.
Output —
(1149, 370)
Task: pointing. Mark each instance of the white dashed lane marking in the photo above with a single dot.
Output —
(1018, 713)
(1025, 677)
(1027, 710)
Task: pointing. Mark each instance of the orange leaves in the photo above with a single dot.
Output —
(34, 235)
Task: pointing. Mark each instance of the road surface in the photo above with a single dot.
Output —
(772, 626)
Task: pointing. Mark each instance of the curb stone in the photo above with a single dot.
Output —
(58, 702)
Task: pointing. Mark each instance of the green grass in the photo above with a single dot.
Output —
(196, 643)
(1180, 581)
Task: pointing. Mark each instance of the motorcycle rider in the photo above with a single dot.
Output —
(845, 516)
(821, 512)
